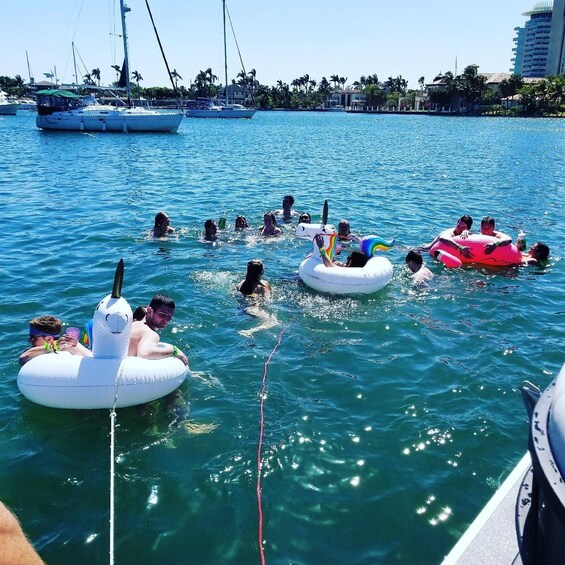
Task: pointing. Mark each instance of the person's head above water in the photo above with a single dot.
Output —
(343, 229)
(464, 223)
(304, 218)
(356, 259)
(487, 225)
(241, 223)
(210, 228)
(414, 260)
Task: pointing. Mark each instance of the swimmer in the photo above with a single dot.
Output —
(304, 218)
(210, 230)
(162, 225)
(287, 212)
(269, 226)
(344, 232)
(241, 223)
(537, 254)
(253, 286)
(415, 262)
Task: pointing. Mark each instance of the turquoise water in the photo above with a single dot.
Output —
(389, 419)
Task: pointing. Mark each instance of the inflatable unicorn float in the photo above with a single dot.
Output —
(109, 377)
(371, 278)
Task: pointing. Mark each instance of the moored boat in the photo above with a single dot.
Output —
(7, 108)
(63, 110)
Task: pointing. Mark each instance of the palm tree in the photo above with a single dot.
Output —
(342, 81)
(137, 77)
(176, 77)
(422, 82)
(96, 74)
(211, 78)
(335, 80)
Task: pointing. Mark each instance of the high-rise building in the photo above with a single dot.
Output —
(556, 53)
(532, 42)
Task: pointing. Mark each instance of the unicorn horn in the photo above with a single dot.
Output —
(118, 279)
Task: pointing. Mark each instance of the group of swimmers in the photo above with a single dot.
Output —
(45, 331)
(536, 255)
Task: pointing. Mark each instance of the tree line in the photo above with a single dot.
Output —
(466, 93)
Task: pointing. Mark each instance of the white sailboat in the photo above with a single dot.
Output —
(64, 110)
(218, 108)
(7, 108)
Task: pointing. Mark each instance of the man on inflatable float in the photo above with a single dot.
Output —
(457, 246)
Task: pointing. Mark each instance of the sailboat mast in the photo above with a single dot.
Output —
(225, 52)
(30, 74)
(123, 10)
(75, 64)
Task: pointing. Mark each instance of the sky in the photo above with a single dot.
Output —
(281, 40)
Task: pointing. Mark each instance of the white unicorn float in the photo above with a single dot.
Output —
(109, 377)
(371, 278)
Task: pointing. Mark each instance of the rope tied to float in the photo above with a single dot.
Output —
(113, 459)
(260, 445)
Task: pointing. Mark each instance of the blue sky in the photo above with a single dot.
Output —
(281, 40)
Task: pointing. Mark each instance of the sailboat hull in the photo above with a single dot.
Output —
(108, 118)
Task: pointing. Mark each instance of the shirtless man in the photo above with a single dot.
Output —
(286, 212)
(144, 339)
(487, 228)
(462, 229)
(45, 337)
(415, 262)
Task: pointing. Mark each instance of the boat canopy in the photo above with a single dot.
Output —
(58, 93)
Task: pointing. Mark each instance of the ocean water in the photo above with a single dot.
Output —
(389, 420)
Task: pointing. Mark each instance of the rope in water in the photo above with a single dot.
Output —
(112, 461)
(260, 446)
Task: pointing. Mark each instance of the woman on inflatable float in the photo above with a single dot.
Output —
(109, 377)
(319, 272)
(457, 246)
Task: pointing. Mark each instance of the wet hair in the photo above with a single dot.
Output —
(345, 224)
(47, 325)
(541, 251)
(289, 198)
(304, 218)
(467, 219)
(241, 222)
(255, 270)
(161, 300)
(356, 259)
(488, 220)
(415, 256)
(272, 216)
(207, 225)
(139, 313)
(159, 219)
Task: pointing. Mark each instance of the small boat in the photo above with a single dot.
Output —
(7, 108)
(64, 110)
(216, 108)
